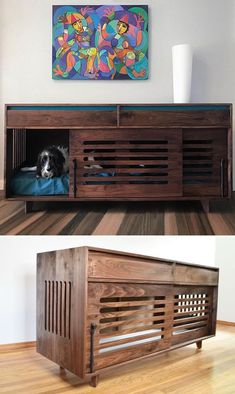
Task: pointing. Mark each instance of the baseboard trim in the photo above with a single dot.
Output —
(226, 323)
(16, 346)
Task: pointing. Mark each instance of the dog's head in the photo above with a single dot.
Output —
(50, 163)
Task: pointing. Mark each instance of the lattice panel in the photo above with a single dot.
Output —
(204, 162)
(192, 314)
(128, 161)
(57, 310)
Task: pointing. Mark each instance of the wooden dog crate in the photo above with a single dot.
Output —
(127, 152)
(97, 309)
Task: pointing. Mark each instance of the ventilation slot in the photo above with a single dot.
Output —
(19, 148)
(191, 312)
(130, 321)
(197, 161)
(58, 308)
(125, 162)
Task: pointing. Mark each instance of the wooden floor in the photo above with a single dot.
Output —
(183, 371)
(135, 218)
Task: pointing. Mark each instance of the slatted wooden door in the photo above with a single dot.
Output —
(205, 162)
(126, 321)
(193, 308)
(125, 163)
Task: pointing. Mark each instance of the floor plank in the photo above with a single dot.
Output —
(183, 371)
(114, 218)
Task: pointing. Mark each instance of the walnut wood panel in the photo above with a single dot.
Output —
(205, 162)
(61, 304)
(195, 275)
(107, 163)
(61, 118)
(143, 329)
(174, 118)
(104, 265)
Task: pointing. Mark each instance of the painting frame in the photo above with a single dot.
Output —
(100, 42)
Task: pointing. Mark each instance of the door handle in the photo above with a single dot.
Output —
(74, 178)
(92, 330)
(222, 177)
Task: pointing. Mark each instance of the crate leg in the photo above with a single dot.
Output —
(28, 206)
(199, 344)
(205, 205)
(94, 380)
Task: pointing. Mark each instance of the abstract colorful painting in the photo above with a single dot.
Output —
(100, 42)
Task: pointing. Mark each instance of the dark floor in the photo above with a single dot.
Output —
(133, 218)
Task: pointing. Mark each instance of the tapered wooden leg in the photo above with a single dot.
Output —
(62, 371)
(205, 205)
(94, 380)
(28, 206)
(199, 344)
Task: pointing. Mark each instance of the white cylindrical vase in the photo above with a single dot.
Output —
(182, 57)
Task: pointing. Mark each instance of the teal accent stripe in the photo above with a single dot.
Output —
(63, 107)
(174, 107)
(158, 107)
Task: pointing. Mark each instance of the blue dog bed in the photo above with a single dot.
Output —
(26, 183)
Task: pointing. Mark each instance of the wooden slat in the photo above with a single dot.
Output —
(131, 312)
(128, 340)
(120, 304)
(179, 314)
(130, 322)
(189, 320)
(190, 326)
(118, 170)
(128, 178)
(147, 326)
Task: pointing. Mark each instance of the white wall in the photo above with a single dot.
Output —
(18, 270)
(25, 55)
(225, 260)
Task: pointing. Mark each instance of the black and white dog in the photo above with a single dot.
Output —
(53, 161)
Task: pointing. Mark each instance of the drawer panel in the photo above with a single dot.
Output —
(195, 276)
(92, 117)
(168, 116)
(105, 265)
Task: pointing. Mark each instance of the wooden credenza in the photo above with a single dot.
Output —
(97, 309)
(128, 152)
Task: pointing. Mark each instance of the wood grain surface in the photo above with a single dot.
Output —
(107, 218)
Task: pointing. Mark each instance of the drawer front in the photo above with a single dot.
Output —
(130, 321)
(110, 266)
(125, 163)
(193, 309)
(177, 116)
(195, 276)
(205, 166)
(63, 117)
